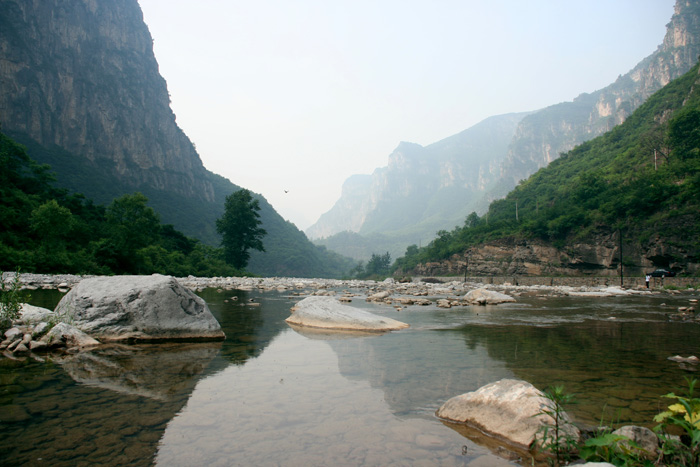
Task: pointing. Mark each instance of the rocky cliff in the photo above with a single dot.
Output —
(543, 136)
(400, 202)
(599, 256)
(80, 88)
(82, 76)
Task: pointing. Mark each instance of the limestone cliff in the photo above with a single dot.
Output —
(422, 189)
(80, 88)
(81, 75)
(544, 135)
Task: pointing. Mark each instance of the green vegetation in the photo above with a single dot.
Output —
(555, 439)
(48, 230)
(681, 418)
(378, 267)
(240, 228)
(11, 298)
(678, 432)
(643, 177)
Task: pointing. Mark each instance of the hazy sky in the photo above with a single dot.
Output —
(299, 95)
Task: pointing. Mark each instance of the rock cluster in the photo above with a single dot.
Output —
(39, 330)
(512, 411)
(121, 308)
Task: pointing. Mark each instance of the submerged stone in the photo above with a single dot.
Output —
(329, 313)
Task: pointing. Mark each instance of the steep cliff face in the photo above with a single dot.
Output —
(422, 189)
(81, 75)
(544, 135)
(80, 87)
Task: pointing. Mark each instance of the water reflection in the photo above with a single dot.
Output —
(272, 395)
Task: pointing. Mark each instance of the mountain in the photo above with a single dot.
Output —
(630, 196)
(422, 190)
(393, 198)
(82, 91)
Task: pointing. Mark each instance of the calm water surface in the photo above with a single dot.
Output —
(270, 395)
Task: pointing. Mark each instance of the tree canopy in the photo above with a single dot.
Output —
(240, 229)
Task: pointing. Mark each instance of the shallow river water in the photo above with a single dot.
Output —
(272, 395)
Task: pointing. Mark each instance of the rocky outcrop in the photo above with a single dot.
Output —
(598, 256)
(146, 308)
(508, 409)
(328, 313)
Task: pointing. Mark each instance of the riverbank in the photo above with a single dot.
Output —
(514, 285)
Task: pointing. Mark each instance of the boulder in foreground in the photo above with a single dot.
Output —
(139, 308)
(329, 313)
(508, 409)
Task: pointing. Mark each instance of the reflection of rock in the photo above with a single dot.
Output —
(324, 334)
(153, 371)
(139, 308)
(328, 313)
(508, 409)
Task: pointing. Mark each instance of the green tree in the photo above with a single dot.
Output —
(240, 228)
(131, 225)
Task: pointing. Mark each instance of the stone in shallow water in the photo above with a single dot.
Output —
(508, 409)
(139, 308)
(329, 313)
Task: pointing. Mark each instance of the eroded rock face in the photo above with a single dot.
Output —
(508, 409)
(139, 308)
(329, 313)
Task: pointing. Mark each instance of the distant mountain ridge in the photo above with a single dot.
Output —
(422, 188)
(394, 199)
(80, 88)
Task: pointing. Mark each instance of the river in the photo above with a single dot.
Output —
(270, 395)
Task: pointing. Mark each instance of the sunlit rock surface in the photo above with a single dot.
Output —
(329, 313)
(139, 308)
(508, 409)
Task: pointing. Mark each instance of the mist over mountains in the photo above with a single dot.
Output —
(423, 190)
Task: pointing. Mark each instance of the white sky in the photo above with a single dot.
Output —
(299, 95)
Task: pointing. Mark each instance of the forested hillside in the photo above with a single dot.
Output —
(641, 179)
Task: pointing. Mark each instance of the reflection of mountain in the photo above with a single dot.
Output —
(249, 326)
(417, 371)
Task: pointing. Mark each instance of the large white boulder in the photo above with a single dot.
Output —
(487, 297)
(508, 409)
(138, 308)
(329, 313)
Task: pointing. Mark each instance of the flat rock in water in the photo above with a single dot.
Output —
(487, 297)
(139, 308)
(508, 409)
(329, 313)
